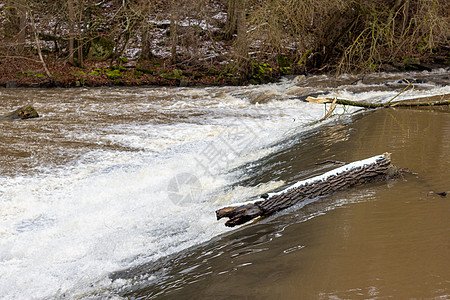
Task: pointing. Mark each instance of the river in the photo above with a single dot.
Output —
(112, 192)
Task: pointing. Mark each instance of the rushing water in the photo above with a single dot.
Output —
(113, 192)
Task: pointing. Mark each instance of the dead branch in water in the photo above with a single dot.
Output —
(438, 100)
(374, 168)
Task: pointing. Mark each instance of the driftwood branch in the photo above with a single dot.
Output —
(329, 161)
(374, 168)
(438, 100)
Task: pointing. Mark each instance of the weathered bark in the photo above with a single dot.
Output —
(146, 44)
(375, 168)
(26, 112)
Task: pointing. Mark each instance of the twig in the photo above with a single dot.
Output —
(409, 84)
(330, 111)
(336, 162)
(21, 57)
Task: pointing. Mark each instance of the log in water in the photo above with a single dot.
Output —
(371, 169)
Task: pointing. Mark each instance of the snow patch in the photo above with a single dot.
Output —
(353, 165)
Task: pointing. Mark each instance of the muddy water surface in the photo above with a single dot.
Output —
(95, 201)
(387, 240)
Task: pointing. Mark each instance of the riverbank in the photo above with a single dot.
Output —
(24, 72)
(190, 43)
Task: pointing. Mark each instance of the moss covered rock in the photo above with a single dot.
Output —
(26, 112)
(100, 49)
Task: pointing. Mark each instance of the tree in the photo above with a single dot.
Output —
(38, 43)
(231, 23)
(71, 16)
(173, 31)
(242, 43)
(16, 25)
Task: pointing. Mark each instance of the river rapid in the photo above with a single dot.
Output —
(111, 193)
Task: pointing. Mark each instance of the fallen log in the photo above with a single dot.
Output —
(26, 112)
(371, 169)
(437, 100)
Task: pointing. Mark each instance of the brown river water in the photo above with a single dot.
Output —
(388, 240)
(112, 193)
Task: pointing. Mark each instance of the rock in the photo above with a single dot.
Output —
(11, 85)
(388, 68)
(100, 49)
(261, 98)
(422, 67)
(26, 112)
(298, 79)
(184, 83)
(399, 66)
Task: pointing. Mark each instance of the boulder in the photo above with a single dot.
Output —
(100, 49)
(26, 112)
(11, 85)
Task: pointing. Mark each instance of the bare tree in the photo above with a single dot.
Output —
(173, 31)
(15, 27)
(231, 23)
(242, 43)
(38, 43)
(80, 32)
(71, 15)
(21, 5)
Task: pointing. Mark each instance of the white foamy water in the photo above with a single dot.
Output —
(112, 178)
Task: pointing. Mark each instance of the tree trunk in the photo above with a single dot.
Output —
(371, 169)
(15, 24)
(38, 45)
(22, 26)
(173, 32)
(146, 46)
(71, 15)
(241, 46)
(231, 23)
(80, 34)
